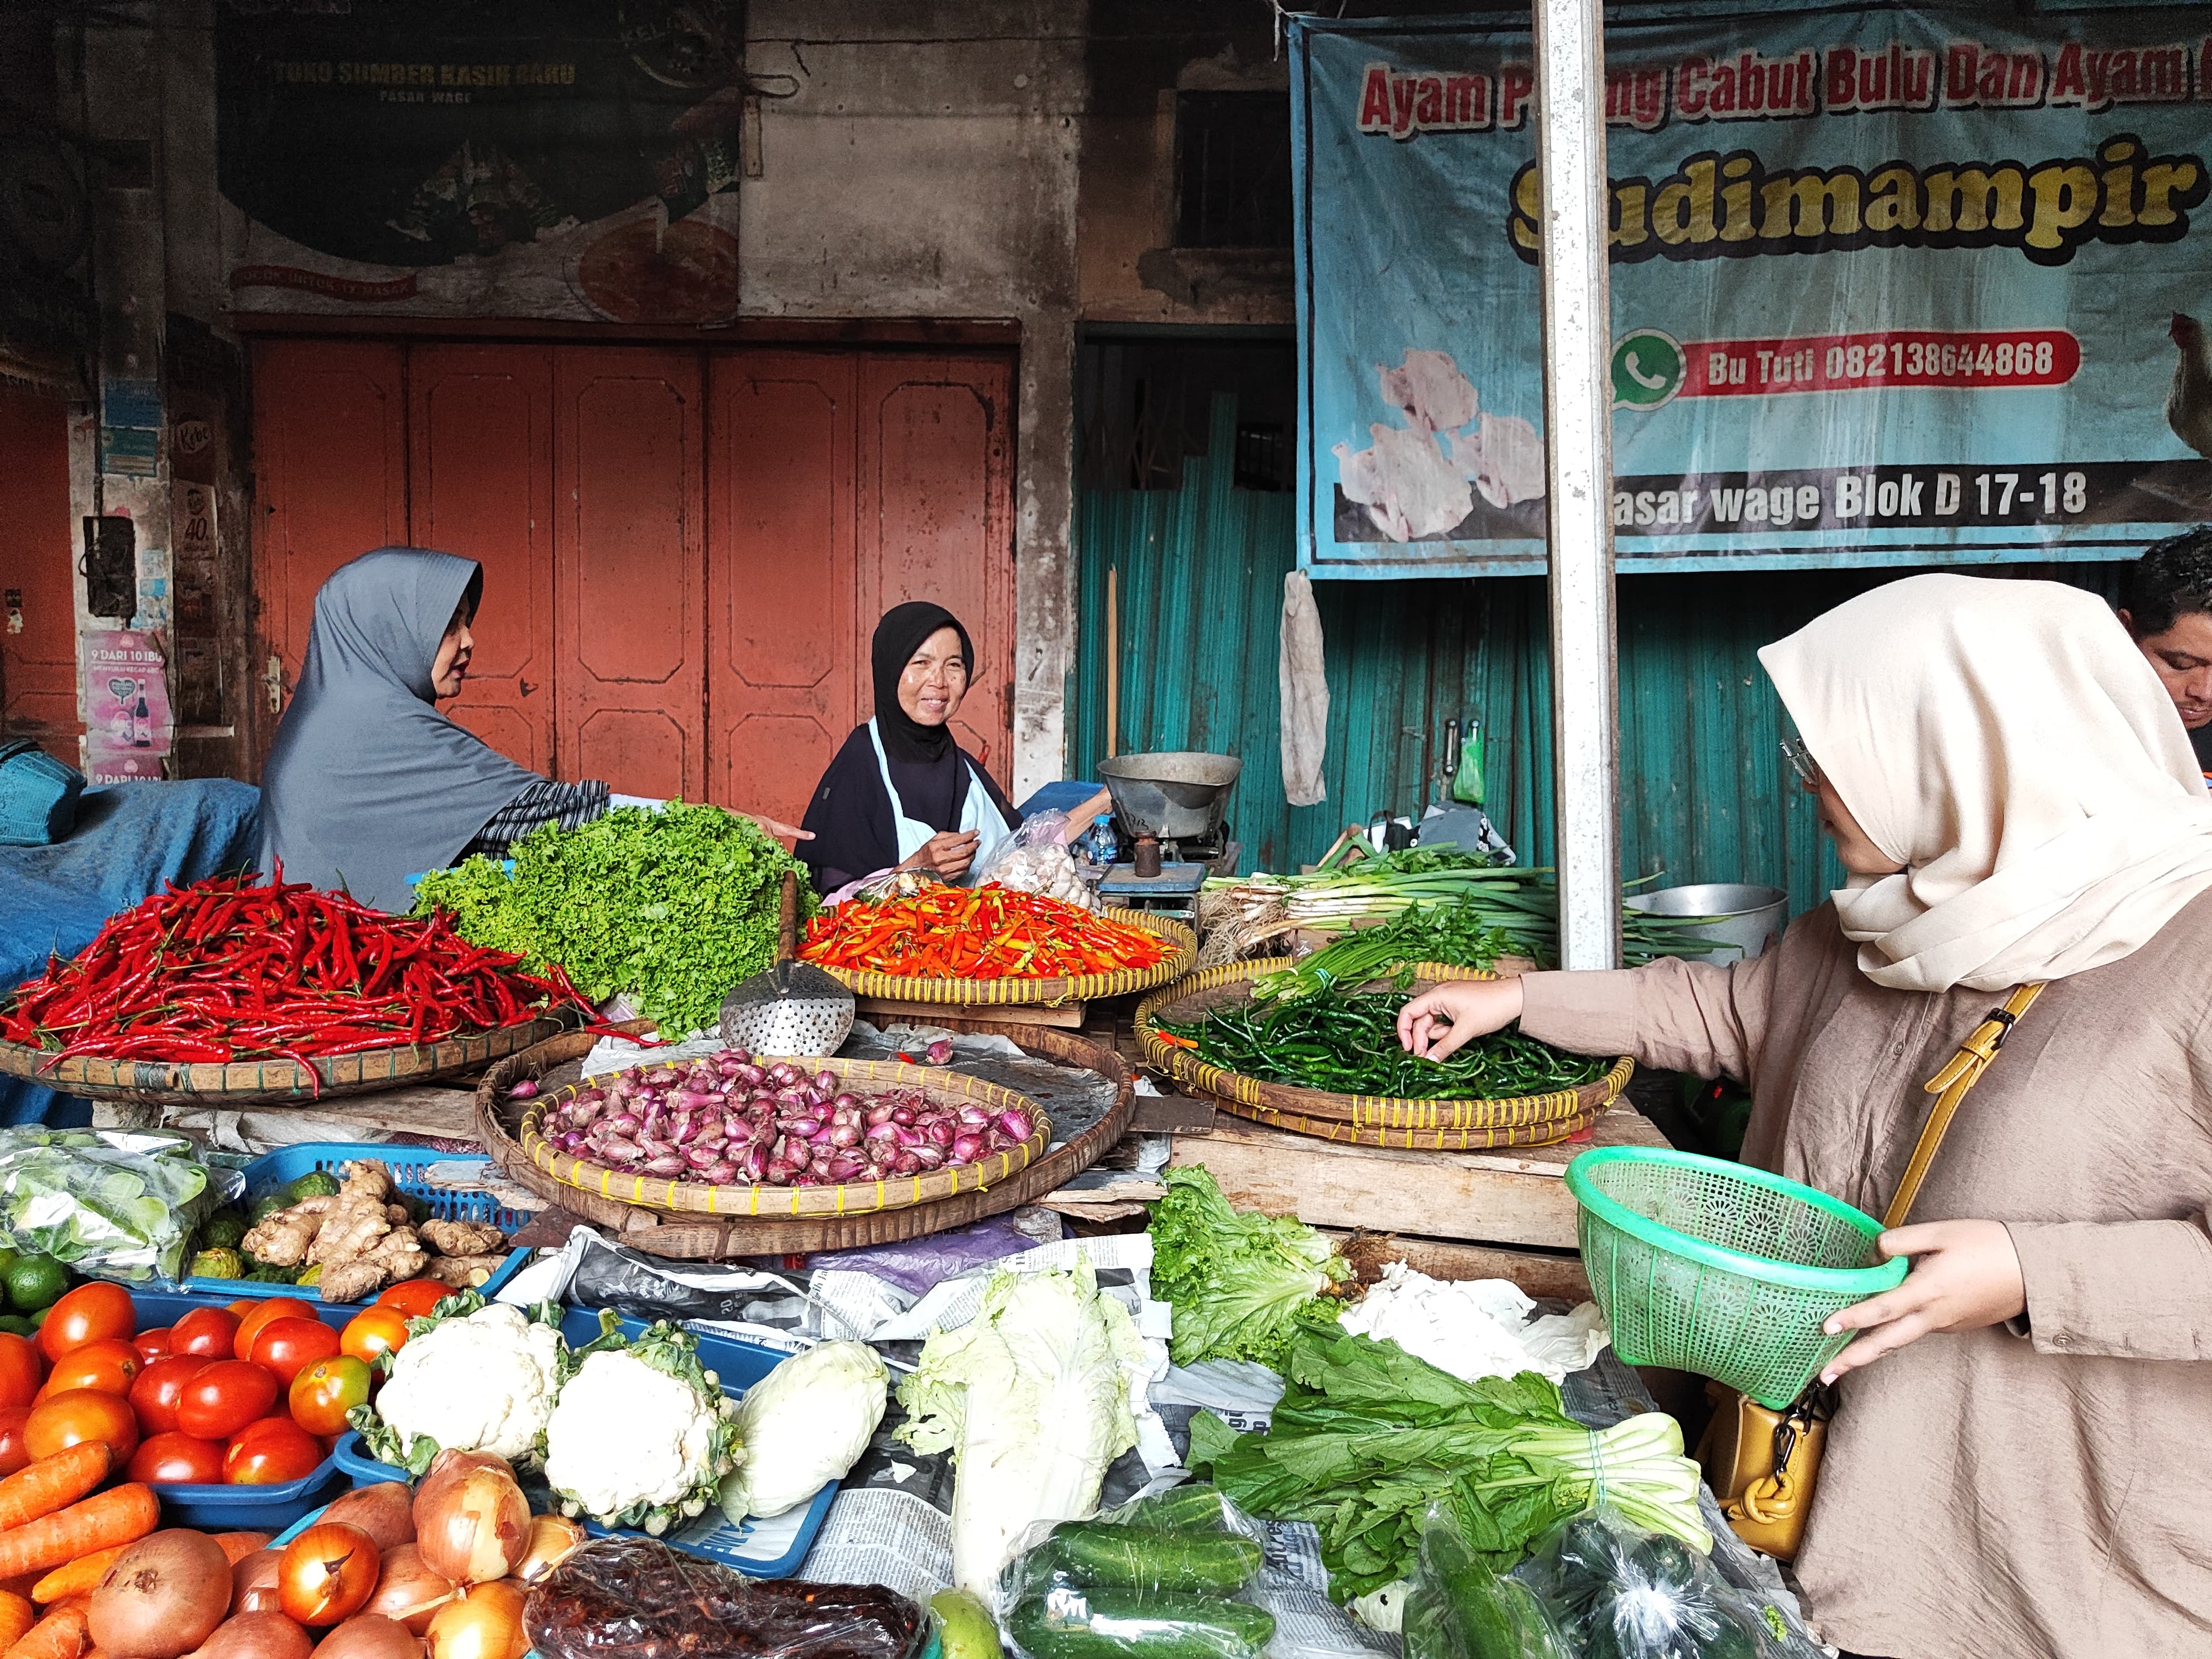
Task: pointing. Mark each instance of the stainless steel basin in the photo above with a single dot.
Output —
(1746, 918)
(1177, 795)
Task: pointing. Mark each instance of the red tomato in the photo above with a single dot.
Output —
(178, 1460)
(288, 1346)
(14, 1453)
(152, 1345)
(326, 1391)
(372, 1332)
(415, 1297)
(86, 1315)
(159, 1388)
(209, 1332)
(223, 1398)
(270, 1453)
(61, 1420)
(21, 1369)
(259, 1314)
(110, 1365)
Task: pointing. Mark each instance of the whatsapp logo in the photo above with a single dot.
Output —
(1648, 369)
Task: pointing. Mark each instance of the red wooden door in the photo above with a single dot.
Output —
(480, 484)
(38, 598)
(629, 604)
(936, 516)
(330, 447)
(784, 688)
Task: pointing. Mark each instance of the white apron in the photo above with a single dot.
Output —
(978, 812)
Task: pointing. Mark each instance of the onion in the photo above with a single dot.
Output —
(939, 1053)
(1015, 1125)
(163, 1596)
(254, 1582)
(328, 1573)
(486, 1623)
(384, 1511)
(472, 1520)
(553, 1540)
(524, 1090)
(371, 1636)
(966, 1149)
(409, 1591)
(257, 1636)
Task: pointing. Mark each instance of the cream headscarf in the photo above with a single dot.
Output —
(2006, 744)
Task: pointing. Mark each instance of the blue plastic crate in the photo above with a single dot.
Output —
(760, 1549)
(407, 1165)
(239, 1509)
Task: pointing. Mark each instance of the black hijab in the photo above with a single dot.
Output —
(898, 637)
(851, 816)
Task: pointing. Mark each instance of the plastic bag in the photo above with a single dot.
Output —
(1035, 859)
(1466, 782)
(109, 1203)
(1457, 1607)
(1170, 1570)
(1614, 1591)
(636, 1598)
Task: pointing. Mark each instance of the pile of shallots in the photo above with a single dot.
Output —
(723, 1119)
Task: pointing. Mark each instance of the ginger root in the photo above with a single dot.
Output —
(461, 1237)
(285, 1238)
(398, 1254)
(463, 1273)
(363, 1241)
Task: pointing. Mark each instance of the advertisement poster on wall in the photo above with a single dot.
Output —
(571, 159)
(128, 725)
(1888, 288)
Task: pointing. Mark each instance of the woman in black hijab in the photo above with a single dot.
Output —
(901, 792)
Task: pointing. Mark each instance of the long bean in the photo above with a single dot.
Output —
(1348, 1044)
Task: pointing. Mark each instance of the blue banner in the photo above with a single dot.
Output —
(1888, 287)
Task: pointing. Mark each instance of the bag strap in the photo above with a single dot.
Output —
(1949, 1087)
(14, 746)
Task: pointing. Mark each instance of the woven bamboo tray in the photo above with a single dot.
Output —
(245, 1082)
(1364, 1120)
(691, 1236)
(1004, 992)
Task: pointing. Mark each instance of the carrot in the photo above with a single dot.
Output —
(237, 1545)
(16, 1618)
(65, 1633)
(122, 1515)
(54, 1482)
(74, 1577)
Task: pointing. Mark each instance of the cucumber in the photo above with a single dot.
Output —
(1140, 1624)
(1194, 1504)
(968, 1631)
(1100, 1555)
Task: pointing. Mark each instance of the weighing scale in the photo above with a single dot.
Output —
(1167, 811)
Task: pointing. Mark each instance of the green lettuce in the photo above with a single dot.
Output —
(1240, 1283)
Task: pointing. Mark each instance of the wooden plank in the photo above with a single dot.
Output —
(1540, 1273)
(425, 1109)
(1067, 1015)
(1511, 1196)
(1172, 1115)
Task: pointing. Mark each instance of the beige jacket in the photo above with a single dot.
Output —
(1988, 1495)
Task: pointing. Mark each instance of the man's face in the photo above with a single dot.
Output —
(2183, 657)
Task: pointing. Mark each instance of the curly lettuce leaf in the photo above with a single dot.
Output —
(1241, 1282)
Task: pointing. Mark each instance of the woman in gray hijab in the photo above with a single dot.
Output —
(367, 783)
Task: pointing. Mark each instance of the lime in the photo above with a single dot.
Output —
(17, 1325)
(36, 1283)
(39, 1319)
(316, 1183)
(9, 1258)
(266, 1206)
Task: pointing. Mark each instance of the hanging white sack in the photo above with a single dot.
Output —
(1304, 687)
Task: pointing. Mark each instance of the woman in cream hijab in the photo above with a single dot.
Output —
(2024, 1471)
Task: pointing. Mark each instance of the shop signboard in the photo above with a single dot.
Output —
(1888, 287)
(563, 159)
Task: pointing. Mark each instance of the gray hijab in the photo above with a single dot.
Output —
(367, 783)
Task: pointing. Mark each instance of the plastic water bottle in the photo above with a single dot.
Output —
(1102, 848)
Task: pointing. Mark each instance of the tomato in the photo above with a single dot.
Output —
(323, 1393)
(160, 1387)
(259, 1314)
(288, 1346)
(21, 1369)
(61, 1420)
(416, 1298)
(110, 1365)
(87, 1313)
(152, 1345)
(373, 1331)
(178, 1460)
(270, 1453)
(223, 1398)
(208, 1332)
(13, 1454)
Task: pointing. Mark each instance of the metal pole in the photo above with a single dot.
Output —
(1578, 460)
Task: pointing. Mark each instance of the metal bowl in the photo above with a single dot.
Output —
(1177, 796)
(1746, 918)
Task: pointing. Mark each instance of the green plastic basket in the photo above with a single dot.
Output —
(1709, 1266)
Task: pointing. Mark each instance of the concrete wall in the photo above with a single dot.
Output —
(925, 165)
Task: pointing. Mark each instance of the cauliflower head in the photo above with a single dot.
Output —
(485, 1382)
(641, 1435)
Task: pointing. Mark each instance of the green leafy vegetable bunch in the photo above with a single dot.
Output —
(1240, 1283)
